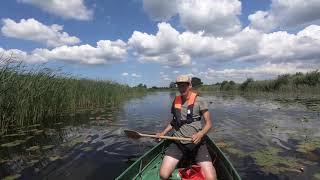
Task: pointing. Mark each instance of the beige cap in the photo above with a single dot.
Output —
(183, 78)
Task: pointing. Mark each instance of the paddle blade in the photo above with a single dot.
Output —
(132, 134)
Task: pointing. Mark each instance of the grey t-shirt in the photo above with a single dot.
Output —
(187, 130)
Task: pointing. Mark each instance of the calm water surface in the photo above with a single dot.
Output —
(265, 139)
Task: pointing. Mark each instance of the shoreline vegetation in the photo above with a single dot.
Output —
(39, 95)
(36, 95)
(298, 83)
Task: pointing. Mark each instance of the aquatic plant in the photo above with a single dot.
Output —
(36, 96)
(271, 161)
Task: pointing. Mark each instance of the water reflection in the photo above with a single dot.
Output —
(264, 138)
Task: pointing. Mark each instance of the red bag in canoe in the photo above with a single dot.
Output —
(191, 173)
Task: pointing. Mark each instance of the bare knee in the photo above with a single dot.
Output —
(211, 177)
(164, 174)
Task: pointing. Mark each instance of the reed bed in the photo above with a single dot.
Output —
(299, 83)
(31, 96)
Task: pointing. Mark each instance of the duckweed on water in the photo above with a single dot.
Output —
(237, 152)
(16, 176)
(228, 147)
(271, 162)
(87, 149)
(47, 147)
(54, 158)
(317, 175)
(33, 148)
(73, 142)
(308, 146)
(4, 161)
(13, 144)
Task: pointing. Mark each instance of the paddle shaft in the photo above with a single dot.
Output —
(166, 137)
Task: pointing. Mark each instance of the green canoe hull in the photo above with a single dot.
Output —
(148, 165)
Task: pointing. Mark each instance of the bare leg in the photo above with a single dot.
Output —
(208, 170)
(167, 167)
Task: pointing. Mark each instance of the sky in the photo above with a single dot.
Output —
(153, 41)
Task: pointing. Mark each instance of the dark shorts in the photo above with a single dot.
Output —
(176, 152)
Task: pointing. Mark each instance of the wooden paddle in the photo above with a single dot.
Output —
(137, 135)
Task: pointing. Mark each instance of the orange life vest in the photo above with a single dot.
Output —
(176, 110)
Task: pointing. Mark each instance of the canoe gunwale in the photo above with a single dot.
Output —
(135, 172)
(162, 144)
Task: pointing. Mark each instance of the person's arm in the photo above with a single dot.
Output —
(165, 131)
(196, 138)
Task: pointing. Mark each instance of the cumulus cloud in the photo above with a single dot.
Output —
(18, 55)
(215, 17)
(171, 48)
(286, 14)
(160, 10)
(125, 74)
(106, 52)
(34, 30)
(161, 48)
(282, 46)
(74, 9)
(264, 71)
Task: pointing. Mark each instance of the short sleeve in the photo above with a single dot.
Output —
(203, 104)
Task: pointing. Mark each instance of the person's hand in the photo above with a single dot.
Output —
(159, 134)
(196, 138)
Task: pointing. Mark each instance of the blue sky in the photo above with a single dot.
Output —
(151, 41)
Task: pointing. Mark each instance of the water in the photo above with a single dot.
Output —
(265, 139)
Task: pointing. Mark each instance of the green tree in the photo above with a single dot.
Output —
(196, 82)
(172, 85)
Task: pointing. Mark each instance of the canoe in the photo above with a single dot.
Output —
(148, 165)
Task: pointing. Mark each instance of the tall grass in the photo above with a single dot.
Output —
(299, 83)
(35, 95)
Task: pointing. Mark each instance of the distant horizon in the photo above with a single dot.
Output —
(151, 42)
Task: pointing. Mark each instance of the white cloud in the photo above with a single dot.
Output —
(262, 20)
(70, 9)
(171, 48)
(161, 48)
(215, 17)
(175, 72)
(264, 71)
(105, 52)
(125, 74)
(18, 55)
(286, 14)
(34, 30)
(282, 46)
(135, 75)
(160, 10)
(164, 76)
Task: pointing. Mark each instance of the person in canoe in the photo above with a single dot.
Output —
(187, 110)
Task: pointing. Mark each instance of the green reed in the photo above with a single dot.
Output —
(34, 95)
(299, 83)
